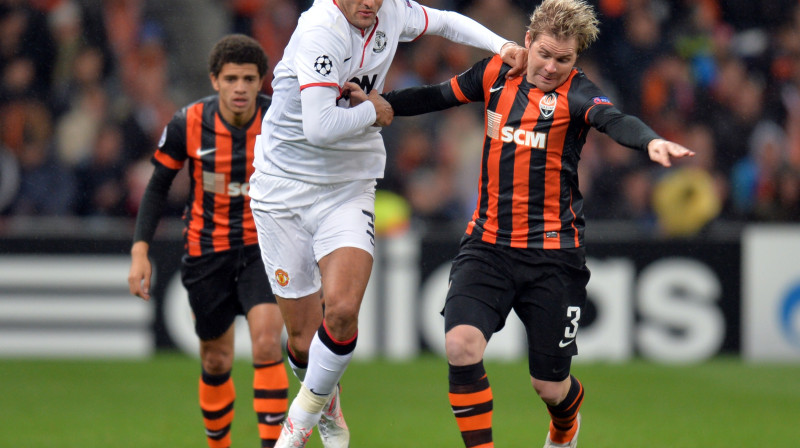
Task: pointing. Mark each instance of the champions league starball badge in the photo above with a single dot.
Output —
(323, 65)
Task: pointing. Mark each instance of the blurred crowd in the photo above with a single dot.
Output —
(86, 87)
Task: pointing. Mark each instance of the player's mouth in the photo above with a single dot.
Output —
(240, 102)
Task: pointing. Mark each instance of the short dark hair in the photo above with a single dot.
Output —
(237, 49)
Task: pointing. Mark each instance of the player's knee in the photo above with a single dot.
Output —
(266, 347)
(464, 345)
(217, 362)
(551, 392)
(340, 314)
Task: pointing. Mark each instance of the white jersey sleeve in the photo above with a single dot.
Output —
(318, 61)
(325, 123)
(461, 29)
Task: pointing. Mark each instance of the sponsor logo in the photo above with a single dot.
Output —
(366, 83)
(551, 235)
(537, 140)
(493, 120)
(204, 152)
(562, 343)
(323, 65)
(217, 183)
(282, 277)
(272, 419)
(461, 411)
(348, 59)
(214, 434)
(602, 100)
(380, 42)
(547, 105)
(495, 89)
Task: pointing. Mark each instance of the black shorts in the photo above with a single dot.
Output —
(223, 285)
(545, 287)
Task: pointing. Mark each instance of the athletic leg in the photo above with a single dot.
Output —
(270, 382)
(216, 390)
(470, 393)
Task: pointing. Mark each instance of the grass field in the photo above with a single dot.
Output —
(120, 404)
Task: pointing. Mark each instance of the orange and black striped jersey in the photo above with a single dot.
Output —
(220, 161)
(528, 187)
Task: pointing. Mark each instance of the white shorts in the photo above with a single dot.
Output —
(298, 223)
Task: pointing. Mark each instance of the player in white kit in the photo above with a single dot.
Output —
(313, 191)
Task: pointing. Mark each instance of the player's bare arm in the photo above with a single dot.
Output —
(661, 150)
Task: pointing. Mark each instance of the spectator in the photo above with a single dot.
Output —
(46, 187)
(100, 176)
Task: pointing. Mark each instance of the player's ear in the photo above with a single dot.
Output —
(214, 81)
(528, 39)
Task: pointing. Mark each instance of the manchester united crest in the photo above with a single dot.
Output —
(380, 42)
(282, 277)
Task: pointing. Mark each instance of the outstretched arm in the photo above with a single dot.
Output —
(422, 99)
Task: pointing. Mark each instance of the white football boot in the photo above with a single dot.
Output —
(293, 436)
(332, 428)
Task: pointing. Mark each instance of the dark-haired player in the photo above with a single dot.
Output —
(221, 267)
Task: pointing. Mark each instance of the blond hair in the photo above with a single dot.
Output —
(565, 19)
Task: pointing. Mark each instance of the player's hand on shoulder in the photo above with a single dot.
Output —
(660, 151)
(515, 56)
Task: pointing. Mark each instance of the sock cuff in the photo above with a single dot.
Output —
(215, 380)
(293, 359)
(341, 348)
(268, 364)
(466, 374)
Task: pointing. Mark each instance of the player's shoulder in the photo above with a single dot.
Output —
(323, 15)
(194, 109)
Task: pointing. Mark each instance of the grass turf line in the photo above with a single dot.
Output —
(136, 404)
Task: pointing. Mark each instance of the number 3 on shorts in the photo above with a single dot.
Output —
(572, 330)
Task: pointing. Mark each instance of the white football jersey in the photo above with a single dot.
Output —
(326, 51)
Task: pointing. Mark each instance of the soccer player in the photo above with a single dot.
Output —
(524, 247)
(221, 267)
(313, 190)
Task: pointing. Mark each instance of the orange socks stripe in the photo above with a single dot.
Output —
(472, 404)
(563, 415)
(270, 400)
(217, 394)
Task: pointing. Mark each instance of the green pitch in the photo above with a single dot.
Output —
(121, 404)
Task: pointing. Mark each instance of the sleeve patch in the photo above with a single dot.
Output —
(602, 100)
